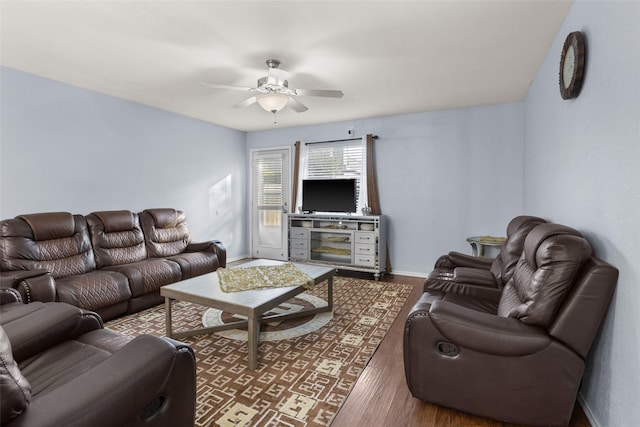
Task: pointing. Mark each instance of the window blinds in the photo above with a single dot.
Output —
(340, 159)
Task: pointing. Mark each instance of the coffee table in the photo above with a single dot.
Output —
(205, 290)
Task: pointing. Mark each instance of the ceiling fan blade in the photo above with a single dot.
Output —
(296, 105)
(221, 86)
(325, 93)
(246, 102)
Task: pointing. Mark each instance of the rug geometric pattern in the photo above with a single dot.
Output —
(300, 381)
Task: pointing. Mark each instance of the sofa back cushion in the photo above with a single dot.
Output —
(58, 242)
(553, 256)
(517, 231)
(165, 232)
(117, 237)
(15, 390)
(584, 309)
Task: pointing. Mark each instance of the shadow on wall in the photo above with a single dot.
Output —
(221, 211)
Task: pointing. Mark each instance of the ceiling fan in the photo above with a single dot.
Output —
(273, 92)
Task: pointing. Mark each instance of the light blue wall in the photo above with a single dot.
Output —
(442, 176)
(581, 169)
(68, 149)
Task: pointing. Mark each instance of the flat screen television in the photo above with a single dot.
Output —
(329, 195)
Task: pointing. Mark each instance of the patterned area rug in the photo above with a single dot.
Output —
(277, 330)
(300, 381)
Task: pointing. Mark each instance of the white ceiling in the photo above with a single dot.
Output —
(388, 57)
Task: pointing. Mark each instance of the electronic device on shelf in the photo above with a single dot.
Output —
(329, 195)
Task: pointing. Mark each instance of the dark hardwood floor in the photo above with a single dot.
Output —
(381, 398)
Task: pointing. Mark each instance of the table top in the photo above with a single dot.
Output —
(205, 289)
(487, 240)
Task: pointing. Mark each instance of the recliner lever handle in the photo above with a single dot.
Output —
(153, 407)
(447, 349)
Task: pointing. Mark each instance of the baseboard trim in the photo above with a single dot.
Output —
(238, 258)
(587, 411)
(409, 273)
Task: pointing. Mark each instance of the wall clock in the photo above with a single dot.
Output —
(572, 64)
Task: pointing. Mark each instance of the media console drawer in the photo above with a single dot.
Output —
(365, 260)
(299, 244)
(365, 237)
(363, 249)
(299, 233)
(299, 253)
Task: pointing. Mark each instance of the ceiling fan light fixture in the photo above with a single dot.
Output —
(273, 102)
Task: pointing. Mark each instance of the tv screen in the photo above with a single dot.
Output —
(329, 195)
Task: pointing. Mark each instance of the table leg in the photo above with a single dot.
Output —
(253, 329)
(474, 248)
(167, 310)
(330, 294)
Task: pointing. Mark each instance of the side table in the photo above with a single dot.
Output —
(478, 243)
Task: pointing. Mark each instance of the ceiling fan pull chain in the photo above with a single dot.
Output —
(274, 117)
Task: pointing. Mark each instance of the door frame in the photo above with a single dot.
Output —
(287, 198)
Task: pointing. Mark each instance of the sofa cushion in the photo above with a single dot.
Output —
(517, 231)
(553, 256)
(148, 275)
(93, 290)
(165, 232)
(58, 365)
(50, 225)
(114, 221)
(15, 390)
(36, 326)
(116, 237)
(195, 264)
(56, 242)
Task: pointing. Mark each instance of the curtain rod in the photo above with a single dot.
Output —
(337, 140)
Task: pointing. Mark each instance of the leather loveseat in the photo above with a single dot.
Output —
(520, 357)
(110, 262)
(59, 367)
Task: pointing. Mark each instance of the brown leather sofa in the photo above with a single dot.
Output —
(518, 358)
(110, 262)
(482, 277)
(61, 368)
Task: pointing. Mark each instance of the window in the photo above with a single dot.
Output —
(269, 189)
(330, 160)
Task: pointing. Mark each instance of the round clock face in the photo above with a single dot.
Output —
(572, 65)
(569, 66)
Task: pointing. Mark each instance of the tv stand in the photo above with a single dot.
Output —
(349, 242)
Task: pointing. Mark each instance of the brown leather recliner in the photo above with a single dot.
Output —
(479, 276)
(519, 360)
(59, 243)
(167, 236)
(60, 368)
(118, 245)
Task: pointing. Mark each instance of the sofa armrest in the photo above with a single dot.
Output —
(474, 276)
(463, 260)
(149, 381)
(10, 278)
(9, 295)
(33, 285)
(483, 332)
(33, 328)
(214, 246)
(38, 288)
